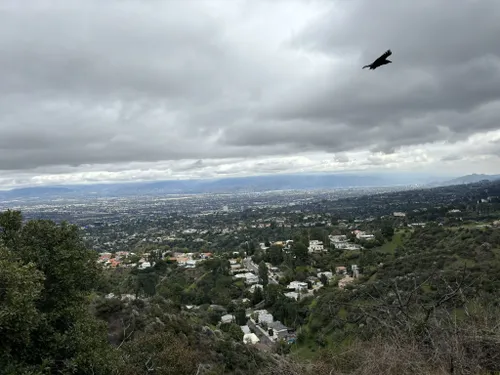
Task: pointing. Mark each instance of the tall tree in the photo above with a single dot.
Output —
(387, 231)
(257, 296)
(275, 254)
(300, 252)
(240, 316)
(324, 279)
(20, 287)
(263, 273)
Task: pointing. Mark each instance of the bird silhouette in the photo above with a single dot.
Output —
(382, 60)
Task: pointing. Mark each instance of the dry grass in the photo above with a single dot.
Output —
(446, 346)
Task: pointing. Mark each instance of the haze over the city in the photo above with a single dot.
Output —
(133, 90)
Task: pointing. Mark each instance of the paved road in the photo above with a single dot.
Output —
(261, 333)
(249, 264)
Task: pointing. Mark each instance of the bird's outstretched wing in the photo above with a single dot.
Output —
(384, 56)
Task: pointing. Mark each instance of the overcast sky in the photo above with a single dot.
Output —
(96, 90)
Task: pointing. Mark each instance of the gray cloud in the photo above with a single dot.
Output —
(88, 85)
(441, 72)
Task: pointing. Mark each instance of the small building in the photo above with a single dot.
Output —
(251, 279)
(250, 339)
(228, 318)
(297, 285)
(144, 265)
(277, 330)
(263, 316)
(293, 295)
(315, 246)
(327, 274)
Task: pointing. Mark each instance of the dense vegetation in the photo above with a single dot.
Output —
(51, 323)
(434, 306)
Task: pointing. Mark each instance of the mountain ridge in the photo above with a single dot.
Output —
(467, 179)
(307, 181)
(261, 183)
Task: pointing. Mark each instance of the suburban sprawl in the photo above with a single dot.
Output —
(279, 282)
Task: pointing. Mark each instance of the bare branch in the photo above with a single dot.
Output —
(125, 336)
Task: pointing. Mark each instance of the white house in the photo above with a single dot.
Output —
(339, 238)
(250, 339)
(293, 295)
(249, 277)
(297, 285)
(328, 274)
(264, 316)
(364, 236)
(144, 265)
(228, 318)
(279, 330)
(315, 246)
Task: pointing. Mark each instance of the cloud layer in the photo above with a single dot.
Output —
(120, 90)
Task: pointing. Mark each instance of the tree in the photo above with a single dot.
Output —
(387, 231)
(240, 316)
(317, 234)
(263, 273)
(275, 255)
(234, 331)
(147, 280)
(300, 252)
(11, 223)
(250, 248)
(59, 332)
(272, 294)
(155, 256)
(20, 287)
(324, 279)
(257, 296)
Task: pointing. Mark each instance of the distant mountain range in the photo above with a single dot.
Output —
(222, 185)
(236, 185)
(468, 179)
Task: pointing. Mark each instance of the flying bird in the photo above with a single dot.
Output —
(382, 60)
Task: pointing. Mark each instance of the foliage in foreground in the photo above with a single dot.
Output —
(432, 309)
(51, 324)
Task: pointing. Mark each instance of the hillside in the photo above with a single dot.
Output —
(436, 280)
(468, 179)
(325, 287)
